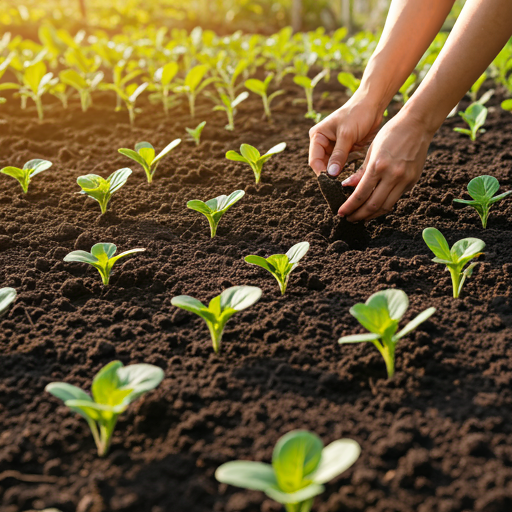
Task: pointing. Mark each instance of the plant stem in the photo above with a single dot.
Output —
(309, 99)
(216, 337)
(266, 107)
(387, 351)
(231, 122)
(39, 106)
(455, 275)
(131, 113)
(192, 104)
(213, 226)
(106, 435)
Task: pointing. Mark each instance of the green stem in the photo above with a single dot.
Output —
(213, 226)
(387, 351)
(266, 107)
(95, 434)
(39, 106)
(231, 121)
(131, 113)
(309, 99)
(104, 204)
(216, 337)
(484, 218)
(192, 104)
(106, 431)
(455, 274)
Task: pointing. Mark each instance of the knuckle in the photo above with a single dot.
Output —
(381, 165)
(313, 132)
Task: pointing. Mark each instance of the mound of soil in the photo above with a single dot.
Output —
(437, 438)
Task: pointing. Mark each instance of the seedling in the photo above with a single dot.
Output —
(349, 81)
(281, 265)
(215, 208)
(101, 189)
(162, 82)
(220, 309)
(129, 94)
(309, 84)
(300, 467)
(113, 389)
(195, 134)
(482, 190)
(250, 155)
(101, 258)
(475, 116)
(193, 85)
(229, 107)
(455, 258)
(25, 175)
(36, 81)
(7, 297)
(381, 315)
(84, 86)
(507, 105)
(144, 154)
(261, 88)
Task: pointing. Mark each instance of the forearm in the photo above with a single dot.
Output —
(410, 27)
(482, 29)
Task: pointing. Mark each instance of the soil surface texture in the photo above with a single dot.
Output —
(436, 438)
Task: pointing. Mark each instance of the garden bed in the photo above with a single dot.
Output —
(437, 438)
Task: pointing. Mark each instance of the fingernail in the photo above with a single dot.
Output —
(333, 170)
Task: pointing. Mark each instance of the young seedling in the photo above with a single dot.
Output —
(7, 297)
(162, 82)
(281, 265)
(101, 258)
(455, 258)
(381, 315)
(250, 155)
(113, 389)
(101, 189)
(83, 85)
(300, 466)
(195, 134)
(144, 155)
(25, 175)
(475, 116)
(36, 82)
(129, 94)
(215, 208)
(349, 81)
(482, 190)
(261, 89)
(229, 107)
(309, 84)
(507, 105)
(193, 85)
(220, 309)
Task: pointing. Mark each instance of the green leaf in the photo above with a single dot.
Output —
(73, 79)
(67, 392)
(225, 202)
(146, 152)
(169, 71)
(7, 297)
(397, 303)
(300, 496)
(123, 255)
(195, 76)
(303, 81)
(297, 252)
(437, 243)
(14, 172)
(278, 148)
(168, 149)
(349, 81)
(256, 476)
(81, 257)
(239, 297)
(260, 262)
(507, 105)
(250, 153)
(499, 197)
(130, 153)
(375, 314)
(256, 86)
(118, 178)
(241, 97)
(139, 379)
(482, 188)
(359, 338)
(233, 155)
(36, 166)
(106, 384)
(193, 306)
(466, 249)
(103, 251)
(199, 206)
(33, 76)
(425, 315)
(336, 458)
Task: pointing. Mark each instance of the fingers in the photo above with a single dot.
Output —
(380, 202)
(392, 199)
(320, 147)
(361, 194)
(339, 154)
(353, 181)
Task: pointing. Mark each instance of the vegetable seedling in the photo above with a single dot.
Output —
(193, 85)
(162, 81)
(300, 466)
(101, 258)
(129, 94)
(113, 389)
(455, 258)
(144, 155)
(25, 175)
(281, 265)
(229, 107)
(349, 81)
(215, 208)
(195, 134)
(381, 315)
(101, 189)
(475, 116)
(250, 155)
(260, 88)
(482, 190)
(84, 86)
(220, 309)
(36, 82)
(309, 84)
(7, 297)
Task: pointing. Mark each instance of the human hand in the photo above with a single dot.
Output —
(343, 136)
(393, 165)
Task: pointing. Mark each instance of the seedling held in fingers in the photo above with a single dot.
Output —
(220, 309)
(215, 208)
(381, 315)
(300, 467)
(101, 189)
(482, 190)
(7, 297)
(101, 258)
(455, 258)
(144, 154)
(25, 175)
(281, 265)
(250, 155)
(475, 116)
(113, 389)
(195, 134)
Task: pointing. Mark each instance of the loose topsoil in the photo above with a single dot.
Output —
(437, 438)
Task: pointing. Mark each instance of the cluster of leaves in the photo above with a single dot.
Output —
(29, 170)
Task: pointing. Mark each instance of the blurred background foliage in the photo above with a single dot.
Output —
(223, 16)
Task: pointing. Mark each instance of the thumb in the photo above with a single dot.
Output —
(339, 155)
(353, 181)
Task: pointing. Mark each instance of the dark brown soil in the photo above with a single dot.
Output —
(437, 438)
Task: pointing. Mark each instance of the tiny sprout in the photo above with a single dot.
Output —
(113, 389)
(455, 258)
(507, 105)
(228, 106)
(7, 297)
(475, 116)
(349, 81)
(220, 309)
(101, 189)
(194, 83)
(281, 265)
(260, 88)
(195, 134)
(101, 258)
(215, 208)
(300, 466)
(309, 84)
(144, 154)
(482, 190)
(25, 175)
(381, 315)
(250, 155)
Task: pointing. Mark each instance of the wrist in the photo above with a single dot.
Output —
(426, 115)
